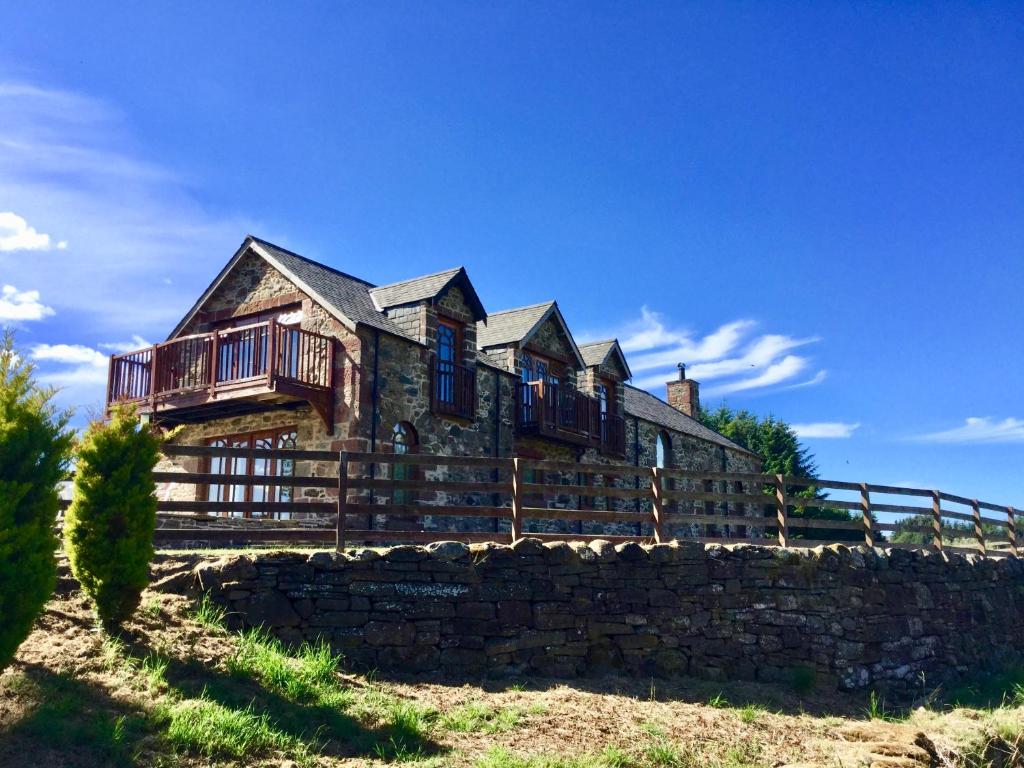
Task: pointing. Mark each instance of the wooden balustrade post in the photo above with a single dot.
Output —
(517, 500)
(780, 510)
(657, 505)
(214, 362)
(153, 372)
(339, 537)
(979, 534)
(937, 520)
(271, 352)
(1011, 530)
(865, 508)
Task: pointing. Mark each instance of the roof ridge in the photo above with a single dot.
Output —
(419, 277)
(314, 262)
(547, 303)
(595, 343)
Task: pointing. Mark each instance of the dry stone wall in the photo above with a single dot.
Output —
(895, 619)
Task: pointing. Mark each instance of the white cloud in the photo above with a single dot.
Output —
(71, 354)
(734, 353)
(142, 240)
(77, 371)
(120, 347)
(825, 429)
(17, 235)
(776, 373)
(980, 429)
(18, 305)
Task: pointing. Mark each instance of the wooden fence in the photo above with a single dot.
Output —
(504, 499)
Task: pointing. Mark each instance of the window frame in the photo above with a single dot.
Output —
(272, 493)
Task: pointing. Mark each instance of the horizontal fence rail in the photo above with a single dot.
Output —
(360, 497)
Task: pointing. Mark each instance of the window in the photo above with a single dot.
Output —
(242, 350)
(404, 441)
(663, 451)
(741, 509)
(449, 349)
(251, 466)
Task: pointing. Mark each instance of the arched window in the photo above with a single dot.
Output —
(403, 440)
(663, 451)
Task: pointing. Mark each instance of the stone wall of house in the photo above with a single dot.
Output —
(550, 339)
(853, 617)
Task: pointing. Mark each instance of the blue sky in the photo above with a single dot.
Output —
(818, 206)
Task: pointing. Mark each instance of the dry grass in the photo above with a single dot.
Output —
(176, 690)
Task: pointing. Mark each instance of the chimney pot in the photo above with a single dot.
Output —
(682, 371)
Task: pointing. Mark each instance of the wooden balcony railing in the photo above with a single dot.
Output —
(452, 389)
(559, 411)
(238, 362)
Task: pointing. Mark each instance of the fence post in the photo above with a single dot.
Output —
(937, 520)
(517, 500)
(339, 538)
(979, 534)
(865, 508)
(780, 510)
(657, 505)
(1011, 530)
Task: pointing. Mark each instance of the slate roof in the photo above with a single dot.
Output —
(596, 352)
(339, 292)
(416, 289)
(344, 296)
(650, 408)
(510, 325)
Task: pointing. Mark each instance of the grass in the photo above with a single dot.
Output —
(750, 713)
(207, 728)
(209, 614)
(478, 717)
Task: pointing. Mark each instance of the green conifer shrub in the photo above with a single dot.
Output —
(34, 452)
(109, 530)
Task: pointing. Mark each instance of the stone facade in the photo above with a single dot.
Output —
(383, 380)
(852, 617)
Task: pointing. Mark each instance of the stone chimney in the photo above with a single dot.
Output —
(684, 394)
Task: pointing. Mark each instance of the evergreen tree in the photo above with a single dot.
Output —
(109, 530)
(34, 450)
(783, 454)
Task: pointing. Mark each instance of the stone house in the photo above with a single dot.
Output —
(283, 352)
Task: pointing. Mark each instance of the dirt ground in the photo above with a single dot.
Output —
(67, 689)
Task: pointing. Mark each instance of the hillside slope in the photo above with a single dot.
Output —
(179, 689)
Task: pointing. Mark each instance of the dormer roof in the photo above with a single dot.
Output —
(517, 326)
(428, 288)
(596, 353)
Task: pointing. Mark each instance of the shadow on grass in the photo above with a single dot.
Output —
(69, 722)
(323, 729)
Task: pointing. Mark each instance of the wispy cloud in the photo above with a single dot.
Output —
(825, 429)
(78, 371)
(119, 347)
(17, 235)
(979, 429)
(132, 233)
(17, 306)
(734, 356)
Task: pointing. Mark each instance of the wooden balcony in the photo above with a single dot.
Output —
(198, 377)
(562, 413)
(452, 389)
